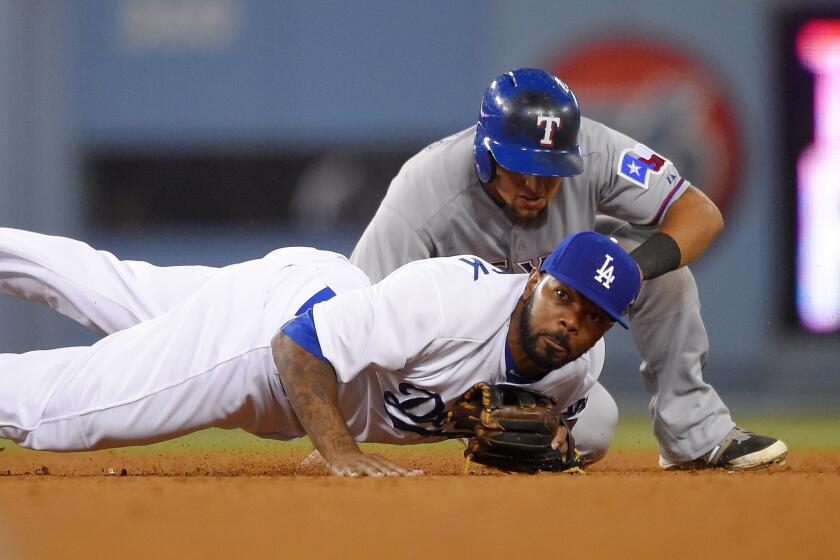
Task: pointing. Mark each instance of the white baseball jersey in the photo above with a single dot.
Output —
(417, 340)
(207, 361)
(436, 205)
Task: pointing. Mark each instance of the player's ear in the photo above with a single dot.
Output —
(533, 279)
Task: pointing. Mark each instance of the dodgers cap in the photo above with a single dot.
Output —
(598, 268)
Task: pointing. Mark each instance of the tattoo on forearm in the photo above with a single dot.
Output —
(311, 387)
(319, 391)
(340, 444)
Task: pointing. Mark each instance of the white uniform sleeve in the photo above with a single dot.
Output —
(388, 242)
(382, 326)
(425, 314)
(636, 184)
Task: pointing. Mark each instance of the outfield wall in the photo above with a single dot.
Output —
(120, 119)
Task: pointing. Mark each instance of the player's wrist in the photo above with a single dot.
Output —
(658, 255)
(338, 448)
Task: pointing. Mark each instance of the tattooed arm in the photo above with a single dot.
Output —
(312, 390)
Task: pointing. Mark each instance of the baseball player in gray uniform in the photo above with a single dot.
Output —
(532, 171)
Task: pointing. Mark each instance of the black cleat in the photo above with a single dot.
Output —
(738, 451)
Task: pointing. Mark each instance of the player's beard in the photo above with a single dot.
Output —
(529, 339)
(526, 223)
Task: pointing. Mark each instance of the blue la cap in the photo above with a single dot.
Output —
(598, 268)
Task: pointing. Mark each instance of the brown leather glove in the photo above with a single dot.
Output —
(511, 428)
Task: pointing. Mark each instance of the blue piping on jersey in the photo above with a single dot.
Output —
(510, 370)
(510, 363)
(322, 295)
(302, 329)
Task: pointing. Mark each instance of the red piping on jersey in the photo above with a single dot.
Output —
(665, 204)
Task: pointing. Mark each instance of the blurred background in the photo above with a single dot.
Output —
(212, 131)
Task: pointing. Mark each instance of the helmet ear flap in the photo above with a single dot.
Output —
(485, 165)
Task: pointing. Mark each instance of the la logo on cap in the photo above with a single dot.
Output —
(606, 274)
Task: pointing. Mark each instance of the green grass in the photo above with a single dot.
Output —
(633, 433)
(797, 430)
(218, 441)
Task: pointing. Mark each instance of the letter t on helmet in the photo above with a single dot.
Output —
(528, 123)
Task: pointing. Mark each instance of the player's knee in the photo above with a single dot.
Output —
(595, 428)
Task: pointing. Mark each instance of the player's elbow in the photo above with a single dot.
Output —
(295, 363)
(704, 212)
(715, 221)
(284, 351)
(279, 344)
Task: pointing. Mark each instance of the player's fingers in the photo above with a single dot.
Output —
(560, 441)
(386, 467)
(344, 470)
(374, 466)
(382, 465)
(361, 467)
(371, 467)
(390, 468)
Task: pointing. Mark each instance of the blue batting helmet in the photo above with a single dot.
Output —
(528, 124)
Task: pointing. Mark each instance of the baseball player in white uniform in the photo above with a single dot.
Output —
(299, 342)
(533, 171)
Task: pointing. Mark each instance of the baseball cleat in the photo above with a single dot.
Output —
(738, 451)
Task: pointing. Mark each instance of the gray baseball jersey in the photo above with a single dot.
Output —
(436, 205)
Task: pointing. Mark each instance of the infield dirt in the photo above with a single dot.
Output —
(262, 505)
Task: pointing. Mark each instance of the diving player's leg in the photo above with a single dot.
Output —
(595, 427)
(79, 399)
(91, 287)
(206, 363)
(27, 381)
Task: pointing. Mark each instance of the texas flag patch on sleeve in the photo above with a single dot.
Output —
(639, 164)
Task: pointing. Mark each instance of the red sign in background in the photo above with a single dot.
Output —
(664, 99)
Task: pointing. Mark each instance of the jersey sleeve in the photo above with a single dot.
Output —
(637, 184)
(574, 410)
(388, 242)
(383, 326)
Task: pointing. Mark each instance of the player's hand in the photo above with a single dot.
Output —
(560, 441)
(364, 464)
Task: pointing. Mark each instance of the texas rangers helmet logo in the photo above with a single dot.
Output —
(637, 165)
(606, 274)
(550, 124)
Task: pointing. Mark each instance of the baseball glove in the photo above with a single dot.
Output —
(511, 428)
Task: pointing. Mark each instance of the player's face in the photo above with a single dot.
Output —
(527, 196)
(558, 324)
